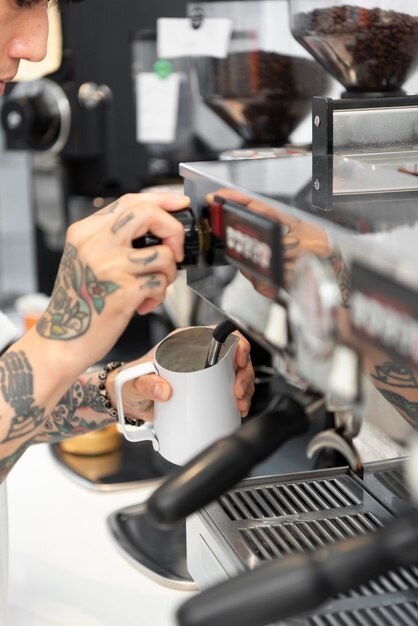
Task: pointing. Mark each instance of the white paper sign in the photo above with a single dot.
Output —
(157, 107)
(176, 37)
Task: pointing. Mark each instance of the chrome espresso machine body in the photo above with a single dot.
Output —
(322, 255)
(339, 314)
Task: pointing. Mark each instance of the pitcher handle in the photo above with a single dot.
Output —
(145, 432)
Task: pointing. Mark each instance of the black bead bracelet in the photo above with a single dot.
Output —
(110, 367)
(113, 365)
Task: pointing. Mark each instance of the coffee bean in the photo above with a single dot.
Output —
(365, 49)
(262, 95)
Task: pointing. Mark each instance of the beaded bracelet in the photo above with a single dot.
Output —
(113, 365)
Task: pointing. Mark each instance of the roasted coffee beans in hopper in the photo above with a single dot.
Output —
(264, 86)
(371, 47)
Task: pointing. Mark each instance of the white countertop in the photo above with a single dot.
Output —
(65, 569)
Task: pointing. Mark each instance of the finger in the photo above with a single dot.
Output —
(244, 382)
(148, 305)
(286, 221)
(229, 194)
(157, 259)
(244, 405)
(265, 289)
(140, 262)
(153, 288)
(152, 387)
(167, 201)
(291, 246)
(137, 220)
(242, 355)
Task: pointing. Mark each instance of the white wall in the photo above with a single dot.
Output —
(17, 253)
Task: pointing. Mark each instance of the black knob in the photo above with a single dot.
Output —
(29, 120)
(194, 238)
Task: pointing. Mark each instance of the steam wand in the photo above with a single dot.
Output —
(219, 336)
(285, 588)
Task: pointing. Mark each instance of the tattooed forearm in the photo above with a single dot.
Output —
(132, 256)
(406, 407)
(67, 420)
(398, 376)
(120, 223)
(76, 292)
(16, 387)
(395, 375)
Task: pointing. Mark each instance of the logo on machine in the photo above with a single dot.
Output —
(385, 312)
(252, 241)
(250, 248)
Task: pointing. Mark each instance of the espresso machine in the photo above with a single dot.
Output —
(322, 248)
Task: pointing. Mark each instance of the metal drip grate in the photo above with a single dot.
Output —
(291, 498)
(273, 517)
(404, 614)
(386, 481)
(267, 542)
(403, 579)
(394, 480)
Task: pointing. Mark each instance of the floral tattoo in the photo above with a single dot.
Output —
(76, 292)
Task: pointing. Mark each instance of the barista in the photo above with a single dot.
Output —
(101, 282)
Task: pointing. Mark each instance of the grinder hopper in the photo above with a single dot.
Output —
(264, 86)
(370, 47)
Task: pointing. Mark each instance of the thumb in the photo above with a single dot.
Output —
(153, 387)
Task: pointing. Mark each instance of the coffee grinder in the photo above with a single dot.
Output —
(263, 87)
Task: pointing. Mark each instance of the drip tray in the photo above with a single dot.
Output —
(267, 518)
(158, 553)
(130, 466)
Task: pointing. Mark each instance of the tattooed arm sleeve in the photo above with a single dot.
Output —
(20, 416)
(398, 384)
(78, 412)
(23, 421)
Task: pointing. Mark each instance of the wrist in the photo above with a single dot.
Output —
(50, 366)
(107, 389)
(113, 367)
(57, 361)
